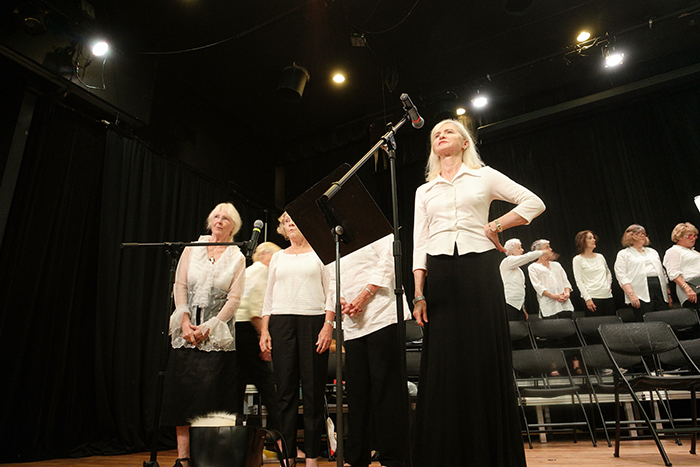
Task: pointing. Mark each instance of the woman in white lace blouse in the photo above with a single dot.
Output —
(209, 283)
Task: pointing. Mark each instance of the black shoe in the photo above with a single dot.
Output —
(178, 462)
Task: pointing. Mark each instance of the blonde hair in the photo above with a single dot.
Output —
(627, 239)
(681, 229)
(231, 213)
(265, 248)
(470, 156)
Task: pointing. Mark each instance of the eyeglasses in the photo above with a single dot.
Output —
(641, 234)
(690, 236)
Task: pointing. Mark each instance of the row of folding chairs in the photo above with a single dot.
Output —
(650, 350)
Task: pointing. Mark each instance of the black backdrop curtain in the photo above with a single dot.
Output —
(82, 320)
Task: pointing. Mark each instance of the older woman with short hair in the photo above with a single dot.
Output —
(640, 273)
(297, 327)
(550, 282)
(592, 276)
(682, 263)
(514, 278)
(209, 283)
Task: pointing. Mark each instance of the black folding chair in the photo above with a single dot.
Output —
(683, 321)
(531, 368)
(650, 340)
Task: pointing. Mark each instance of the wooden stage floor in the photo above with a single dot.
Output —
(555, 453)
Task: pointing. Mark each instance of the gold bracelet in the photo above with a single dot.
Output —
(499, 227)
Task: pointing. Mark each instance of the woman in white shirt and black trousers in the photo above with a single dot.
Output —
(467, 408)
(640, 273)
(297, 327)
(592, 275)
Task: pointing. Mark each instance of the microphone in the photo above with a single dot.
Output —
(253, 242)
(408, 107)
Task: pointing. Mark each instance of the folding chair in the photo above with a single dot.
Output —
(650, 339)
(536, 365)
(683, 321)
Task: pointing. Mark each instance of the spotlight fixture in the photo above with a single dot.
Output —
(461, 111)
(292, 83)
(358, 40)
(480, 100)
(100, 48)
(445, 106)
(612, 57)
(338, 78)
(584, 36)
(697, 202)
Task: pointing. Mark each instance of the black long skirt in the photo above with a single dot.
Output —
(466, 413)
(197, 383)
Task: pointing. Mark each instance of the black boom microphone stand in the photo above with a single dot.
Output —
(174, 250)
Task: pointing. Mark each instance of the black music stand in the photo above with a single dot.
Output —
(334, 230)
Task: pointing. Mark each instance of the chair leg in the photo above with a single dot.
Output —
(694, 410)
(588, 423)
(617, 421)
(527, 426)
(650, 425)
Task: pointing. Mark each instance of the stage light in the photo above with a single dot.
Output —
(292, 83)
(612, 57)
(338, 78)
(461, 111)
(100, 48)
(480, 101)
(697, 202)
(584, 36)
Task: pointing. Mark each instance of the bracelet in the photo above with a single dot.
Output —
(499, 227)
(332, 323)
(370, 292)
(418, 299)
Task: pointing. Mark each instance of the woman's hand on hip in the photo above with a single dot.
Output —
(493, 236)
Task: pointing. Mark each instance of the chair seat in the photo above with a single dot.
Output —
(681, 383)
(550, 392)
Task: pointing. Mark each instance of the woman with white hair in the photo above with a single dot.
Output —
(514, 278)
(550, 282)
(682, 263)
(208, 287)
(640, 273)
(459, 301)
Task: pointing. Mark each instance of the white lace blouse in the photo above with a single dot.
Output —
(210, 293)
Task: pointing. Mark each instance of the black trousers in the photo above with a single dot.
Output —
(294, 359)
(604, 307)
(251, 369)
(514, 314)
(656, 302)
(377, 417)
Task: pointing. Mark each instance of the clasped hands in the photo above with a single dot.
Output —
(193, 334)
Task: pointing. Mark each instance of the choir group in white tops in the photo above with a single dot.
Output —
(638, 269)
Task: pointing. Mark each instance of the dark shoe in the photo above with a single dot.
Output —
(178, 462)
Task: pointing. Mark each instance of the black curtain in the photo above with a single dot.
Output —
(84, 321)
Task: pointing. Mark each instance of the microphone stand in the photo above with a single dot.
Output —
(173, 250)
(340, 234)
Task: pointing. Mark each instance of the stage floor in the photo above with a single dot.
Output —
(555, 453)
